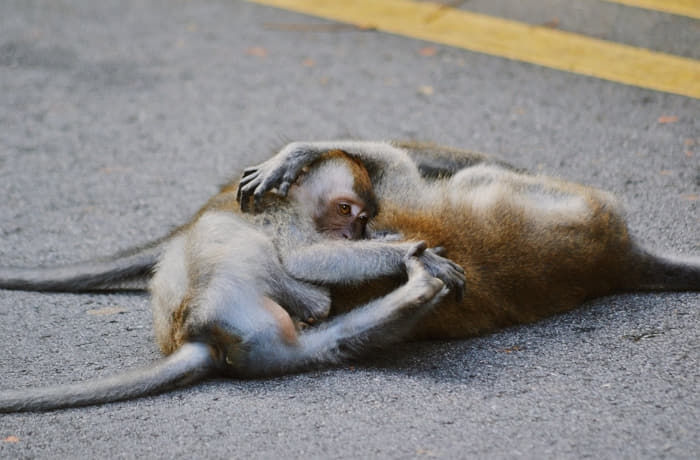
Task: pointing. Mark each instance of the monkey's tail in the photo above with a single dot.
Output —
(108, 273)
(653, 272)
(189, 363)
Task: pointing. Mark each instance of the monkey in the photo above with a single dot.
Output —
(228, 286)
(132, 268)
(531, 245)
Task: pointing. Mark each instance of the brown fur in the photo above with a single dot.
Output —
(512, 278)
(522, 261)
(178, 334)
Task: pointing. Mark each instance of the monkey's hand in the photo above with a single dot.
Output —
(310, 303)
(440, 267)
(278, 173)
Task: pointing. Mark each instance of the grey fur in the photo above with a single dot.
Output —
(224, 267)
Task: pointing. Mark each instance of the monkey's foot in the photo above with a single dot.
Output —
(422, 287)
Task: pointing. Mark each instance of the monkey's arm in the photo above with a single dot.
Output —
(406, 162)
(436, 161)
(340, 262)
(280, 171)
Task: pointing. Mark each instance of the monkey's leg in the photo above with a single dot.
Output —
(379, 323)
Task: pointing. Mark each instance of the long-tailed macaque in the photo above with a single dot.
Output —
(530, 245)
(228, 287)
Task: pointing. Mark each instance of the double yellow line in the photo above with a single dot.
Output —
(690, 8)
(515, 40)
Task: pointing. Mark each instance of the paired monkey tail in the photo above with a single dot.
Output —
(190, 363)
(109, 273)
(653, 272)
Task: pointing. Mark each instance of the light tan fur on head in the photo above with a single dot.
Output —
(335, 173)
(336, 179)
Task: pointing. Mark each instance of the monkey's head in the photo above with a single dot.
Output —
(337, 192)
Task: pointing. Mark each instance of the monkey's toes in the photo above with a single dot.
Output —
(431, 288)
(415, 268)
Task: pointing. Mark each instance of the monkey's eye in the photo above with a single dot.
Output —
(344, 209)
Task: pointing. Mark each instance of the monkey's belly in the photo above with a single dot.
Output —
(516, 270)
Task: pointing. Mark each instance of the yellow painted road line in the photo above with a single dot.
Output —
(514, 40)
(690, 8)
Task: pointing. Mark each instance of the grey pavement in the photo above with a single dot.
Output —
(118, 119)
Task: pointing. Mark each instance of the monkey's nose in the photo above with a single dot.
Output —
(354, 232)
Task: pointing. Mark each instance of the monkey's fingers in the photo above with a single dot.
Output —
(457, 267)
(281, 181)
(257, 180)
(245, 187)
(283, 189)
(439, 296)
(449, 272)
(278, 186)
(244, 202)
(458, 281)
(255, 187)
(249, 175)
(416, 270)
(258, 195)
(459, 289)
(276, 174)
(451, 265)
(250, 170)
(455, 282)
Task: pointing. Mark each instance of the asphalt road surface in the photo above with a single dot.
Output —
(118, 119)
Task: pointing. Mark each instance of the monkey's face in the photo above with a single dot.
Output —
(338, 198)
(342, 217)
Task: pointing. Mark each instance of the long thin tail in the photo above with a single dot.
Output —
(652, 272)
(188, 364)
(109, 273)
